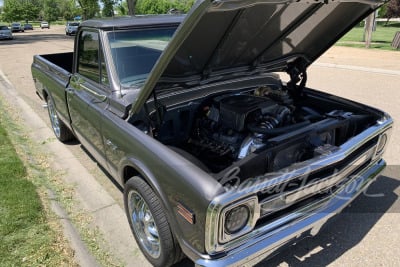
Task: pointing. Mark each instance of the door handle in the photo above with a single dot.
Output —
(78, 83)
(99, 96)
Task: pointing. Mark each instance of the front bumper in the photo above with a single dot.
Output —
(5, 37)
(263, 246)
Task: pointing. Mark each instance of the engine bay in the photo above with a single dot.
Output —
(254, 131)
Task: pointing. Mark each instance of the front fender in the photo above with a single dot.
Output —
(175, 180)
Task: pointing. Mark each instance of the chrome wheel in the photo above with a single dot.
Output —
(55, 122)
(143, 224)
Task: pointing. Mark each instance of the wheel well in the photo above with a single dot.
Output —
(129, 172)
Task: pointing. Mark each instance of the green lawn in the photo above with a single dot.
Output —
(381, 38)
(26, 238)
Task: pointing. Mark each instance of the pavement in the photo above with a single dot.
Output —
(367, 233)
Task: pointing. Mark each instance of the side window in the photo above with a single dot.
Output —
(88, 56)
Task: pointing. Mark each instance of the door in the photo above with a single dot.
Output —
(87, 94)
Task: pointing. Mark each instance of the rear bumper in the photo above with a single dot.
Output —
(261, 247)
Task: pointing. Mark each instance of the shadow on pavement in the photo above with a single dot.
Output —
(347, 229)
(28, 38)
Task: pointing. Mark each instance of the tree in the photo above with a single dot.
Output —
(392, 10)
(32, 9)
(122, 8)
(89, 8)
(68, 9)
(162, 6)
(108, 8)
(50, 10)
(17, 10)
(369, 25)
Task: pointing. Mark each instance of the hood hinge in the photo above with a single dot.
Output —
(297, 71)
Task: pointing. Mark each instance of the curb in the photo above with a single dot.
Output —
(357, 68)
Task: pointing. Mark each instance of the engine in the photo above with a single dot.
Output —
(233, 126)
(253, 132)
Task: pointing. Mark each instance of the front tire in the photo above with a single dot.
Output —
(60, 130)
(149, 224)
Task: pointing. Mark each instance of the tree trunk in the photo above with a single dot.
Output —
(131, 7)
(387, 21)
(369, 25)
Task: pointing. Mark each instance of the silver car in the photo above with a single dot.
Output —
(71, 28)
(17, 27)
(5, 33)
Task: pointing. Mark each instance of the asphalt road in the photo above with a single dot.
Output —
(367, 233)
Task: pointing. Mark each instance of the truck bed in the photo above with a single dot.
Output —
(51, 74)
(59, 66)
(62, 60)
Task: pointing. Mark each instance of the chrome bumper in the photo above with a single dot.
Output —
(261, 247)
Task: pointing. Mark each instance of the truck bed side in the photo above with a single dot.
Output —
(51, 74)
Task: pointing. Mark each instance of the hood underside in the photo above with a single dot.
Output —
(222, 36)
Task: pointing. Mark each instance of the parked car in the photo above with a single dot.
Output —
(219, 157)
(28, 26)
(44, 24)
(71, 28)
(17, 27)
(5, 33)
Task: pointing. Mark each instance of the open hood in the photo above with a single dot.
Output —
(231, 36)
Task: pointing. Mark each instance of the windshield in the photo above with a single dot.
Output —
(3, 28)
(76, 24)
(135, 52)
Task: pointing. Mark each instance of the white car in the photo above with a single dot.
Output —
(5, 33)
(44, 24)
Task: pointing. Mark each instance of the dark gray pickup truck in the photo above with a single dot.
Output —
(220, 160)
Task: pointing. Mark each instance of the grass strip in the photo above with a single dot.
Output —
(26, 238)
(45, 179)
(381, 38)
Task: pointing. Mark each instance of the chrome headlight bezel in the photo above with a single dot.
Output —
(382, 142)
(216, 239)
(251, 204)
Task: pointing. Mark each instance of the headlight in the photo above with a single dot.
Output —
(236, 219)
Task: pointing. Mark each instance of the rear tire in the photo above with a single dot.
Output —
(60, 130)
(149, 224)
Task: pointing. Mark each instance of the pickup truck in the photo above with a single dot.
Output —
(220, 159)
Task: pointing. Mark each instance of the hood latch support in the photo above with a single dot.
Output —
(298, 78)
